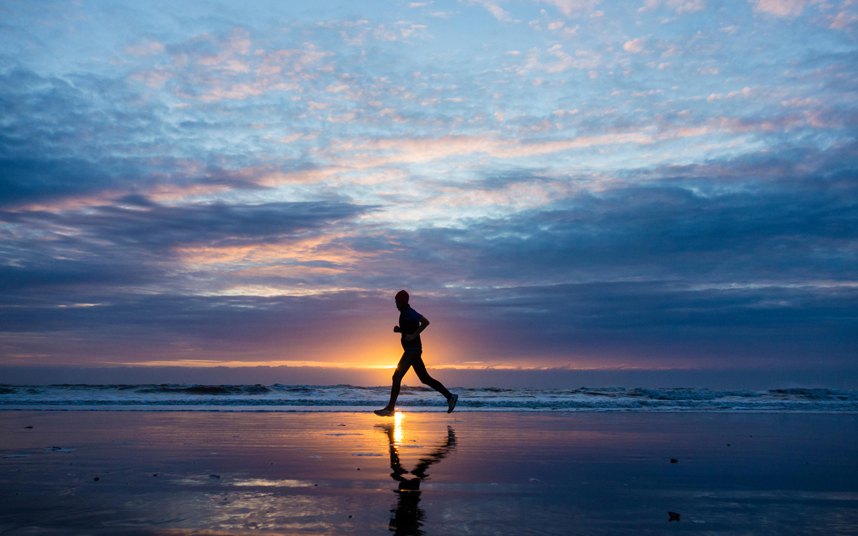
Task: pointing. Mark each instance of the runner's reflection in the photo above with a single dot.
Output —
(408, 517)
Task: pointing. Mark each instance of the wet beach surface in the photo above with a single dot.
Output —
(83, 472)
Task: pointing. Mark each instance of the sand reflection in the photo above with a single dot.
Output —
(407, 516)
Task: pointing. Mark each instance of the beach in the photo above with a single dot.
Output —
(206, 472)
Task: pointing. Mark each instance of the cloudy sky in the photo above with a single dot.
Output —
(642, 185)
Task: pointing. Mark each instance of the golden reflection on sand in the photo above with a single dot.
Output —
(333, 468)
(408, 516)
(398, 431)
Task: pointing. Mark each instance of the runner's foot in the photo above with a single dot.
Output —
(451, 403)
(385, 412)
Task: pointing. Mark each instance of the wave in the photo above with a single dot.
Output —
(207, 389)
(279, 397)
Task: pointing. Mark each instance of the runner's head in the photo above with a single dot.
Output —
(401, 299)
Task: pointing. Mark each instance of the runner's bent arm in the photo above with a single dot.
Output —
(421, 325)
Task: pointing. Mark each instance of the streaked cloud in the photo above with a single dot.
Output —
(495, 9)
(780, 8)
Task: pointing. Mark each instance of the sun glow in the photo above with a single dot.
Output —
(202, 363)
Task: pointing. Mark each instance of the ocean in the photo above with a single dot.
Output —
(314, 398)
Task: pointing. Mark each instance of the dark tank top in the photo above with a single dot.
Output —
(409, 322)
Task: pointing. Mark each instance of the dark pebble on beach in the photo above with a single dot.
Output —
(672, 516)
(155, 474)
(95, 479)
(214, 476)
(358, 468)
(28, 427)
(674, 460)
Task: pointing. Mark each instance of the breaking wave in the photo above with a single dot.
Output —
(277, 397)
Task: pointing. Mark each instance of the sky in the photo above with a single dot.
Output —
(564, 186)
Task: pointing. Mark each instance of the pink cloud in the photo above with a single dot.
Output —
(634, 46)
(235, 71)
(780, 8)
(846, 18)
(407, 151)
(560, 60)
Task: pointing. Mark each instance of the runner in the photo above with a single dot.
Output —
(411, 324)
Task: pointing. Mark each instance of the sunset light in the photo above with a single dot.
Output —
(562, 185)
(428, 267)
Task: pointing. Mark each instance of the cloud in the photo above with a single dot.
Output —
(213, 67)
(239, 182)
(571, 8)
(28, 179)
(678, 6)
(138, 221)
(145, 48)
(562, 61)
(744, 92)
(845, 19)
(136, 246)
(634, 46)
(699, 252)
(663, 263)
(495, 9)
(81, 136)
(780, 8)
(147, 327)
(700, 222)
(383, 152)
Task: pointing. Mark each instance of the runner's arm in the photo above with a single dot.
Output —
(422, 324)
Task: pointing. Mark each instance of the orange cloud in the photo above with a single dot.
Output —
(315, 249)
(383, 152)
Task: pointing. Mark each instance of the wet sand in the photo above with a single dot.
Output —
(431, 473)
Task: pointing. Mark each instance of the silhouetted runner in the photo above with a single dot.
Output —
(411, 324)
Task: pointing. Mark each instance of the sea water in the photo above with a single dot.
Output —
(277, 397)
